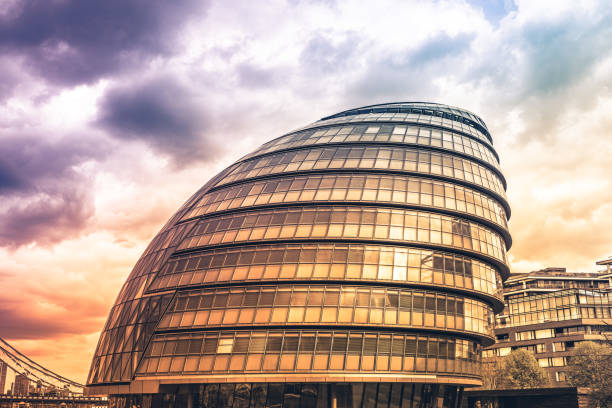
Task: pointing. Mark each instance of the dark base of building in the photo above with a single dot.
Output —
(566, 397)
(280, 395)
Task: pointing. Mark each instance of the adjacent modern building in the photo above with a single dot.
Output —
(550, 311)
(355, 262)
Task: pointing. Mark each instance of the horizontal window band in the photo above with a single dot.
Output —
(347, 223)
(326, 305)
(485, 339)
(372, 133)
(380, 189)
(491, 167)
(496, 303)
(500, 266)
(313, 377)
(479, 338)
(358, 171)
(419, 108)
(466, 125)
(502, 231)
(423, 161)
(386, 121)
(320, 262)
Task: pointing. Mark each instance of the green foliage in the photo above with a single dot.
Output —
(587, 365)
(591, 366)
(520, 369)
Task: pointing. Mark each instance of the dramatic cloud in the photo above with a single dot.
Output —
(162, 113)
(45, 218)
(10, 180)
(45, 197)
(73, 41)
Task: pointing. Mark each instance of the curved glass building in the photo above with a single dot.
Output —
(354, 262)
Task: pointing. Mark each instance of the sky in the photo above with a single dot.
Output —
(112, 113)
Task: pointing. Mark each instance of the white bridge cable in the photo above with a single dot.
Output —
(34, 369)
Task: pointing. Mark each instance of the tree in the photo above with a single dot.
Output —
(520, 369)
(491, 371)
(591, 366)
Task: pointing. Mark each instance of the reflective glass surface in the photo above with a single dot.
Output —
(329, 262)
(327, 305)
(560, 305)
(371, 244)
(401, 134)
(427, 108)
(133, 317)
(298, 395)
(346, 223)
(300, 351)
(369, 188)
(384, 158)
(412, 118)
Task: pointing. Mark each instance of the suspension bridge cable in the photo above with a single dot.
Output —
(17, 356)
(24, 371)
(31, 369)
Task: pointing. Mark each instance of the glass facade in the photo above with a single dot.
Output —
(386, 134)
(326, 304)
(393, 190)
(395, 159)
(318, 261)
(560, 305)
(354, 262)
(306, 395)
(347, 223)
(551, 311)
(300, 351)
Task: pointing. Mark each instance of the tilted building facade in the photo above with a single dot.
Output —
(354, 262)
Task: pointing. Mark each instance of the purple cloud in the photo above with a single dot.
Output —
(162, 113)
(44, 199)
(72, 41)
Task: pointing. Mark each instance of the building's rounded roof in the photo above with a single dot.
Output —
(430, 108)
